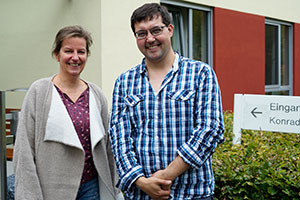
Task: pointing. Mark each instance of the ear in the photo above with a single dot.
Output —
(57, 57)
(171, 29)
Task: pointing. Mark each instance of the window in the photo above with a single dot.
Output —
(278, 47)
(192, 30)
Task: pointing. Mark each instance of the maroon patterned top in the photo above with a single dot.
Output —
(80, 116)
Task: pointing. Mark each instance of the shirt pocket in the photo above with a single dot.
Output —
(133, 100)
(181, 108)
(182, 95)
(136, 114)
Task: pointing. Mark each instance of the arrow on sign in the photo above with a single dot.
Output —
(253, 112)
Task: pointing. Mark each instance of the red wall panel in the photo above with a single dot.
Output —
(239, 53)
(296, 60)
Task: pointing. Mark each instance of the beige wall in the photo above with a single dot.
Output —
(27, 32)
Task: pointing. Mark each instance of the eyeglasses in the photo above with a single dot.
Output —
(155, 31)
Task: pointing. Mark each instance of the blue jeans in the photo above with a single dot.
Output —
(11, 187)
(89, 190)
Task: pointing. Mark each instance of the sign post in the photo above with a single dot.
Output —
(3, 174)
(265, 113)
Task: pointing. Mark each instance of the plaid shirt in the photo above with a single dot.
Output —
(148, 131)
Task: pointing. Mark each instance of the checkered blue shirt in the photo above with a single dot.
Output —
(149, 130)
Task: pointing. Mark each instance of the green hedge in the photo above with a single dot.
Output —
(265, 166)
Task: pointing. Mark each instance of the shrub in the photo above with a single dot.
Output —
(266, 165)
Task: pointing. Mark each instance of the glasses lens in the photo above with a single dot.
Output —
(141, 34)
(156, 30)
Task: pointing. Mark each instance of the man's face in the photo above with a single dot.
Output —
(155, 48)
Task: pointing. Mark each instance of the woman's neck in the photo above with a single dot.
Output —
(73, 87)
(67, 82)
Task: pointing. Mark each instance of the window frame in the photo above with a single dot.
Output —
(181, 30)
(278, 87)
(190, 8)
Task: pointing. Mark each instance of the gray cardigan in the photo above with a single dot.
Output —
(48, 156)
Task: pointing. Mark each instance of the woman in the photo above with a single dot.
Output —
(62, 149)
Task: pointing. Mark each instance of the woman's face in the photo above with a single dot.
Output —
(72, 56)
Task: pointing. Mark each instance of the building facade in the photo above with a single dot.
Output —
(253, 46)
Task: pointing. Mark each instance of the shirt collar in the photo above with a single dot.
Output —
(175, 66)
(176, 63)
(143, 66)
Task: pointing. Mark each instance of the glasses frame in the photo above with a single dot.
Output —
(151, 32)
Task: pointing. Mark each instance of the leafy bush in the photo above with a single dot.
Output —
(266, 165)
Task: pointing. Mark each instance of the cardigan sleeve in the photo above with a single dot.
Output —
(27, 185)
(111, 161)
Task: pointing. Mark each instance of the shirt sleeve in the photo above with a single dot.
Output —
(209, 127)
(122, 143)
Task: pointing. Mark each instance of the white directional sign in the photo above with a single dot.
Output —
(266, 113)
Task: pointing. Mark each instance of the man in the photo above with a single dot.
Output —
(166, 117)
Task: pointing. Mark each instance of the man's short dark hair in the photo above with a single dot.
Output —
(148, 11)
